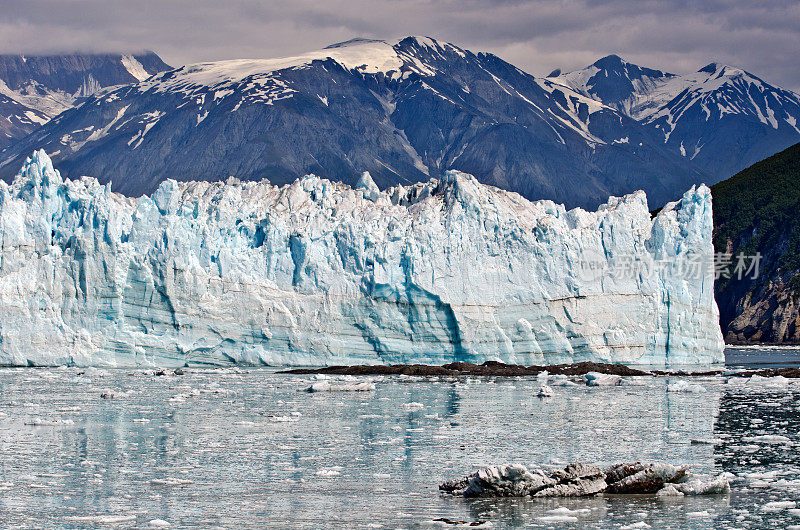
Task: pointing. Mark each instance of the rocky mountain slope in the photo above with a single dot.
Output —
(722, 118)
(756, 211)
(405, 111)
(34, 88)
(409, 110)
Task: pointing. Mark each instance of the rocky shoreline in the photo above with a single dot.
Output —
(494, 368)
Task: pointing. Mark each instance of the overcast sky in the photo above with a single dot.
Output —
(761, 36)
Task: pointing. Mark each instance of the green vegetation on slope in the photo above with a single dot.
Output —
(758, 211)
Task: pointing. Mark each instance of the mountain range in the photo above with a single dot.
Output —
(407, 111)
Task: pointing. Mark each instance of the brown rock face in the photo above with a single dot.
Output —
(769, 315)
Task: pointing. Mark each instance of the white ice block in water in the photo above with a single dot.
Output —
(317, 273)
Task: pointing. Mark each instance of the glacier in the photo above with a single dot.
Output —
(317, 273)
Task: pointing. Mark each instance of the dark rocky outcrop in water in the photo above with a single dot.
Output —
(461, 368)
(583, 480)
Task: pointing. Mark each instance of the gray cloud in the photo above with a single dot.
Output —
(674, 35)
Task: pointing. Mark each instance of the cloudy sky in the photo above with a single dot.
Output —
(762, 36)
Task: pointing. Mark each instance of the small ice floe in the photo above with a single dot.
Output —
(558, 519)
(101, 519)
(515, 480)
(170, 482)
(598, 379)
(158, 523)
(778, 506)
(632, 526)
(697, 486)
(545, 392)
(49, 422)
(685, 386)
(776, 439)
(327, 386)
(580, 480)
(757, 383)
(413, 406)
(564, 515)
(705, 514)
(108, 393)
(283, 419)
(334, 471)
(93, 371)
(561, 380)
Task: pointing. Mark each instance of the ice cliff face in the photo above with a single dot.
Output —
(318, 273)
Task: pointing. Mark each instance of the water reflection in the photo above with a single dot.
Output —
(232, 447)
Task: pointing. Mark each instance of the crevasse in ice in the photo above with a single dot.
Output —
(316, 272)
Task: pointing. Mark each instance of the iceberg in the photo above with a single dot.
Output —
(582, 480)
(319, 273)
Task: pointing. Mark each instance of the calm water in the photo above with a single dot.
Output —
(233, 448)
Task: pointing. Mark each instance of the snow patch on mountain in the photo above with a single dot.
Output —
(134, 67)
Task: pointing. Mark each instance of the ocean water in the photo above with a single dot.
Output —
(236, 448)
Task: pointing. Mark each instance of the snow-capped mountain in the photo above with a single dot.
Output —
(722, 118)
(405, 111)
(34, 88)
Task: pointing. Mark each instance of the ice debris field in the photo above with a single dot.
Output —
(319, 273)
(242, 446)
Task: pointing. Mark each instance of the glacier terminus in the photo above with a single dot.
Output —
(316, 273)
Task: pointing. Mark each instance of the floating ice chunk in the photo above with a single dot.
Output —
(706, 441)
(283, 419)
(562, 380)
(778, 506)
(47, 422)
(170, 482)
(414, 405)
(669, 491)
(598, 379)
(515, 480)
(101, 519)
(545, 392)
(643, 478)
(326, 386)
(757, 383)
(698, 486)
(558, 519)
(563, 510)
(158, 523)
(330, 472)
(768, 439)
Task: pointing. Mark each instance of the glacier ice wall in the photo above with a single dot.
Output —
(318, 273)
